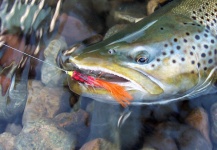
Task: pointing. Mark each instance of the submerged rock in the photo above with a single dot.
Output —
(213, 113)
(198, 119)
(75, 123)
(7, 141)
(50, 74)
(13, 128)
(99, 144)
(44, 134)
(172, 135)
(45, 102)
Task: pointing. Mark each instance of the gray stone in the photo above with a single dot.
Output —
(45, 102)
(99, 144)
(50, 74)
(44, 134)
(7, 141)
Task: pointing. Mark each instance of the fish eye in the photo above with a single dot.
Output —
(111, 51)
(142, 58)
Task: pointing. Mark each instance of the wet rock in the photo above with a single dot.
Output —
(213, 113)
(71, 120)
(160, 142)
(186, 137)
(13, 128)
(45, 102)
(44, 134)
(76, 123)
(148, 148)
(192, 139)
(198, 119)
(99, 144)
(79, 16)
(7, 141)
(73, 29)
(50, 74)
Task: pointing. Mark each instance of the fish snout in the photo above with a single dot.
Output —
(64, 56)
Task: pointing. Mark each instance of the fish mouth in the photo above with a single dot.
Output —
(108, 76)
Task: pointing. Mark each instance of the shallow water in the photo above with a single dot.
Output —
(38, 111)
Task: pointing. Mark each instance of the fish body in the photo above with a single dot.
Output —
(168, 56)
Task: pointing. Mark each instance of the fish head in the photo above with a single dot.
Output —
(160, 60)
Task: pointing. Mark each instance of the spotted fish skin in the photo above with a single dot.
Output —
(168, 56)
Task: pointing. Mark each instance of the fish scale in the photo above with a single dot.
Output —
(170, 55)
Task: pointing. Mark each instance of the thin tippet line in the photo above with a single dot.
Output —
(35, 58)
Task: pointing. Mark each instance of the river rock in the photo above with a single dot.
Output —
(76, 123)
(99, 144)
(45, 102)
(13, 128)
(186, 137)
(160, 142)
(198, 119)
(72, 119)
(50, 74)
(213, 113)
(44, 134)
(7, 141)
(192, 139)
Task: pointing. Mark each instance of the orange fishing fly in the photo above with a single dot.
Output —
(117, 91)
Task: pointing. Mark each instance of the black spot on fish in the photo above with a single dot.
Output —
(206, 46)
(183, 59)
(210, 61)
(197, 37)
(192, 62)
(174, 61)
(178, 47)
(203, 55)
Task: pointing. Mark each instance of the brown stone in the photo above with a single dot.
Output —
(99, 144)
(198, 119)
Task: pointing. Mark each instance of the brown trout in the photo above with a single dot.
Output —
(170, 55)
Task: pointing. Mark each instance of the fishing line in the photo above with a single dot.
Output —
(36, 58)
